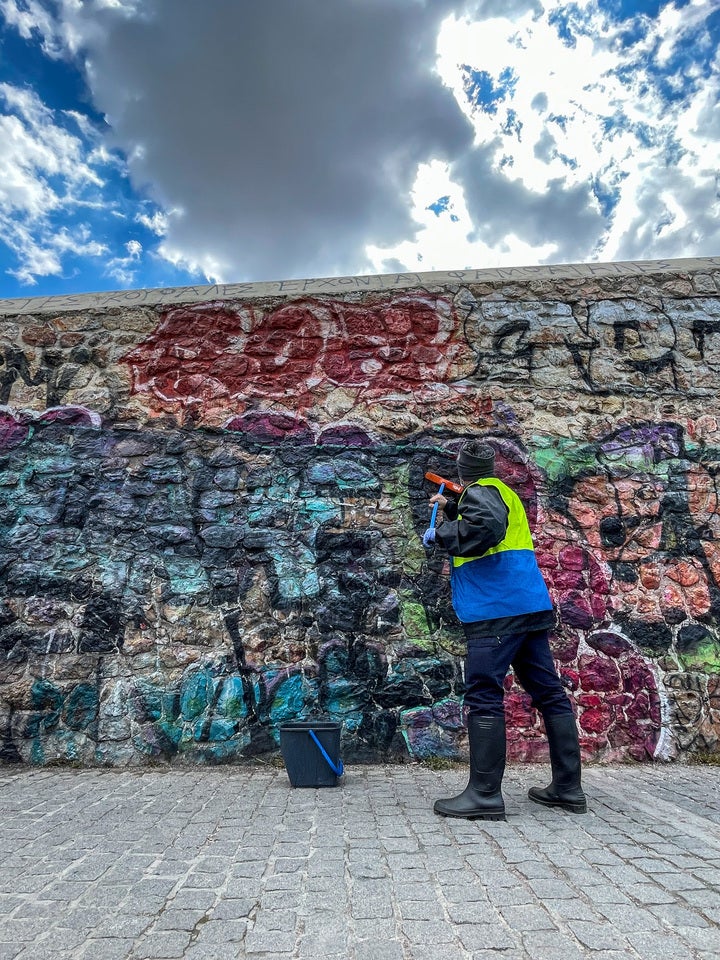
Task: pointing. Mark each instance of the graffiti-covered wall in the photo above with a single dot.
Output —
(212, 499)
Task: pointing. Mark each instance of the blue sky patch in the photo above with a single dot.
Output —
(512, 125)
(440, 205)
(61, 86)
(570, 22)
(607, 196)
(671, 80)
(484, 91)
(105, 215)
(628, 9)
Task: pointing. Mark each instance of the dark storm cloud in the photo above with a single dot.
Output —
(567, 216)
(512, 9)
(673, 216)
(288, 133)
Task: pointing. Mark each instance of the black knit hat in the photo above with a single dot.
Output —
(475, 461)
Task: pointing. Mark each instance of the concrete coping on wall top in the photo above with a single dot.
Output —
(356, 284)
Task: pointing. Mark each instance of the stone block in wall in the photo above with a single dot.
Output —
(205, 552)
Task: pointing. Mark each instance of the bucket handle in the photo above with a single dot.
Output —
(337, 770)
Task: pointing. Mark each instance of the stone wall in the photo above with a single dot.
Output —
(212, 501)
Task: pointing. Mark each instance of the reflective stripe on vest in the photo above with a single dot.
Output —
(517, 536)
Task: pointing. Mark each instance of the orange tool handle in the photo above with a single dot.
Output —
(449, 485)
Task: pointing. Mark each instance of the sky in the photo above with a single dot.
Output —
(153, 143)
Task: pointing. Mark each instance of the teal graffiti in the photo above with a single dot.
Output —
(61, 718)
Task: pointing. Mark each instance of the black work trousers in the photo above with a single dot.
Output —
(528, 653)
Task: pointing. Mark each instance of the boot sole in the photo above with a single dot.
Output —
(471, 816)
(561, 804)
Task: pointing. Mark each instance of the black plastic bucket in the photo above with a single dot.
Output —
(311, 751)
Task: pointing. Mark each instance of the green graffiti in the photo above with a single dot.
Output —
(398, 487)
(705, 658)
(558, 457)
(414, 621)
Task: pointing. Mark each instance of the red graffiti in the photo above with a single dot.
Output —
(213, 356)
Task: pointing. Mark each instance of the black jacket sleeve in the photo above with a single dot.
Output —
(483, 525)
(451, 510)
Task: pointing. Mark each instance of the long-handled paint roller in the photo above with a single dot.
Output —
(453, 487)
(448, 484)
(433, 515)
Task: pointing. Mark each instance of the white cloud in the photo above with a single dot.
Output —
(31, 19)
(446, 240)
(289, 134)
(44, 172)
(156, 222)
(124, 269)
(298, 139)
(590, 121)
(205, 265)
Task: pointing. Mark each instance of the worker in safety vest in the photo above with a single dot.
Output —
(501, 599)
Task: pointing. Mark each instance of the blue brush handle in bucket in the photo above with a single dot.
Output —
(337, 770)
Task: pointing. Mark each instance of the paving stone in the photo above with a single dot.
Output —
(220, 951)
(375, 930)
(706, 938)
(441, 951)
(627, 918)
(648, 893)
(193, 900)
(575, 909)
(547, 945)
(487, 936)
(162, 944)
(179, 919)
(229, 863)
(666, 947)
(428, 931)
(42, 951)
(527, 918)
(597, 936)
(419, 910)
(65, 939)
(702, 899)
(552, 889)
(221, 931)
(106, 949)
(675, 915)
(8, 951)
(679, 881)
(272, 942)
(234, 909)
(23, 931)
(123, 926)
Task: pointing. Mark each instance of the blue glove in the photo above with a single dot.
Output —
(429, 536)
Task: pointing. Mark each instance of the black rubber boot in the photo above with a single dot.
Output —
(564, 791)
(481, 799)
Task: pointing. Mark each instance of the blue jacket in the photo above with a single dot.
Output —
(501, 578)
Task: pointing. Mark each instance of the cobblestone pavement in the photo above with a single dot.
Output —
(208, 864)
